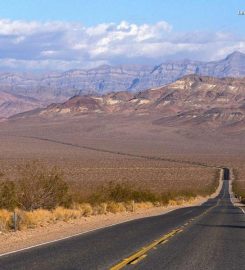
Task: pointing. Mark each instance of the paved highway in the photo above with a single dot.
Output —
(210, 236)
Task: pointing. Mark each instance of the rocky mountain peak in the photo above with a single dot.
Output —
(236, 55)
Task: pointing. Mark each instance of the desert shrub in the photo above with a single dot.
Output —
(238, 188)
(8, 197)
(121, 192)
(40, 187)
(238, 185)
(144, 195)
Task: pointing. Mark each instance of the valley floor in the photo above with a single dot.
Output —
(67, 143)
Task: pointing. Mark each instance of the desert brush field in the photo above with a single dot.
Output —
(108, 164)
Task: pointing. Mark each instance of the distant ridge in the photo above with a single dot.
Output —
(56, 87)
(192, 100)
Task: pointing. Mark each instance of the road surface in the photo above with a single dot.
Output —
(210, 236)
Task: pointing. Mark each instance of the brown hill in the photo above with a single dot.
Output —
(192, 100)
(12, 104)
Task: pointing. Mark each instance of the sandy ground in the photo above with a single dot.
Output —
(12, 241)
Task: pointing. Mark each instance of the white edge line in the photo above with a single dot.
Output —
(242, 210)
(81, 233)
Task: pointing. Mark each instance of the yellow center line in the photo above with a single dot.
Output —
(165, 241)
(141, 254)
(139, 259)
(144, 250)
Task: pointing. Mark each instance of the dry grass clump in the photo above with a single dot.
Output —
(84, 208)
(64, 214)
(239, 183)
(5, 220)
(43, 217)
(115, 207)
(144, 205)
(32, 219)
(39, 217)
(100, 209)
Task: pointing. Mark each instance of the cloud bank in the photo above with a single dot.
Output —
(64, 45)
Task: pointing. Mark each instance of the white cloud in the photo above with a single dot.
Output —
(237, 46)
(64, 45)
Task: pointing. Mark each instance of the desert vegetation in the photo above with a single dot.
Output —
(94, 182)
(239, 183)
(41, 194)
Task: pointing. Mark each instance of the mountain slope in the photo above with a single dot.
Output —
(12, 104)
(192, 100)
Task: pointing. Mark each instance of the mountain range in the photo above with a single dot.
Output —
(22, 92)
(192, 100)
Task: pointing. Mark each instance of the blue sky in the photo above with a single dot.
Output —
(182, 14)
(62, 34)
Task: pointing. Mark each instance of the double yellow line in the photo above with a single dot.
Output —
(142, 253)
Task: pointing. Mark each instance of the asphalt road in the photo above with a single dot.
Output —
(212, 236)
